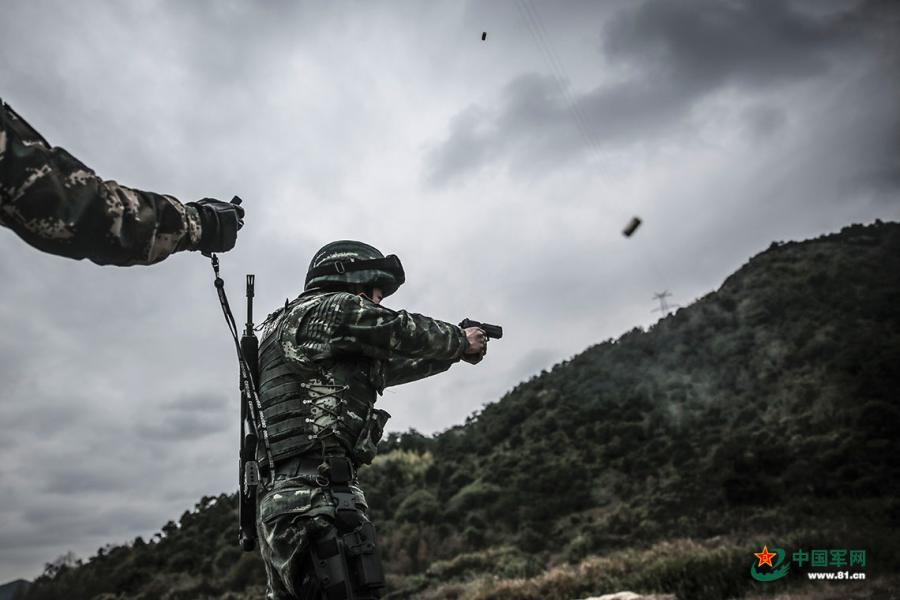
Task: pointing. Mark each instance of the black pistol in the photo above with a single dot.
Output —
(492, 331)
(248, 471)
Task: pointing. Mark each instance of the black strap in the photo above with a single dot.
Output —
(292, 446)
(284, 410)
(257, 420)
(277, 371)
(273, 389)
(390, 263)
(286, 428)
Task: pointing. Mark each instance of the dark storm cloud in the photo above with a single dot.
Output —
(666, 58)
(186, 419)
(72, 478)
(763, 121)
(40, 419)
(705, 43)
(60, 522)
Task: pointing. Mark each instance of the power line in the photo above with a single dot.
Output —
(573, 105)
(541, 39)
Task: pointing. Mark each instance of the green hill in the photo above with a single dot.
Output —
(764, 412)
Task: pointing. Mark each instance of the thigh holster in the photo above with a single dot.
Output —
(345, 558)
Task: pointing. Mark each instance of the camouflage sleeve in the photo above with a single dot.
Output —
(379, 332)
(58, 205)
(405, 370)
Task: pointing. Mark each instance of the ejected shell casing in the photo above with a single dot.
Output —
(632, 227)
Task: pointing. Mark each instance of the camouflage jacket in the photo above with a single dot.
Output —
(324, 359)
(408, 346)
(58, 205)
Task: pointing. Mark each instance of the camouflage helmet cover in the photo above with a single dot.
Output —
(355, 263)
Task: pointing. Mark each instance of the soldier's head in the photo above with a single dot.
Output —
(355, 267)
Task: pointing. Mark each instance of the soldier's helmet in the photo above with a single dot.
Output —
(347, 263)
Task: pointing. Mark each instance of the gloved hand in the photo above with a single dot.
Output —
(219, 223)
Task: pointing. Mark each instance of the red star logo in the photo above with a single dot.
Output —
(765, 557)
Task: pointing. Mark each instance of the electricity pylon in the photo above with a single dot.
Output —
(664, 307)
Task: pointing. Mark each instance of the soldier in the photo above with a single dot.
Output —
(323, 361)
(58, 205)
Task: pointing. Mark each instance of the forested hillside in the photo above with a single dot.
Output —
(766, 411)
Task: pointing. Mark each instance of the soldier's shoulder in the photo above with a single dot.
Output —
(314, 306)
(346, 301)
(362, 304)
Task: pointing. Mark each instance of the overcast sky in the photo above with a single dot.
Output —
(501, 172)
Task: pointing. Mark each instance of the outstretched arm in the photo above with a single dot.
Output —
(58, 205)
(405, 370)
(414, 346)
(379, 332)
(401, 370)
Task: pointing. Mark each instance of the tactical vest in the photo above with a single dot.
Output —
(314, 402)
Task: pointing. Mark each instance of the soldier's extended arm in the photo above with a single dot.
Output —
(405, 370)
(58, 205)
(401, 370)
(373, 330)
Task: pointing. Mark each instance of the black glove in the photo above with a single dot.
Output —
(219, 223)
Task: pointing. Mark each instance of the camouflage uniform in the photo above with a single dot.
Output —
(58, 205)
(323, 361)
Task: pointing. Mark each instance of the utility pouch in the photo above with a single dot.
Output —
(367, 443)
(289, 501)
